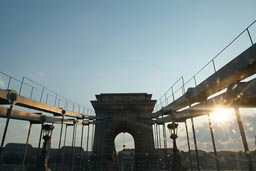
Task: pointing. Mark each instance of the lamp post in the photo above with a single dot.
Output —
(176, 162)
(44, 157)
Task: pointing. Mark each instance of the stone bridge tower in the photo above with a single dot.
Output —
(118, 113)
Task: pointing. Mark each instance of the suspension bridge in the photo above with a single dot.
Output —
(231, 86)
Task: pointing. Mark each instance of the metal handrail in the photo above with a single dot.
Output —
(45, 92)
(183, 84)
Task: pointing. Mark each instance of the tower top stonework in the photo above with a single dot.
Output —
(137, 103)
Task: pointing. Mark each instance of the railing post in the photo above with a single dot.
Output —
(173, 98)
(73, 107)
(214, 67)
(166, 100)
(58, 103)
(9, 83)
(249, 35)
(21, 84)
(55, 101)
(42, 94)
(194, 77)
(66, 104)
(31, 93)
(46, 98)
(183, 85)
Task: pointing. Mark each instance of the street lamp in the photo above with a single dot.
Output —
(47, 134)
(173, 129)
(176, 163)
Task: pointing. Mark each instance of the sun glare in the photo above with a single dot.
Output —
(221, 115)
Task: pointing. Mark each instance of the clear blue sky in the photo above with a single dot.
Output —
(82, 48)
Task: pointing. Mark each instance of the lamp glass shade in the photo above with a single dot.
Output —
(47, 130)
(173, 128)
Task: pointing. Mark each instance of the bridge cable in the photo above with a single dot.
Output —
(26, 147)
(81, 146)
(195, 142)
(64, 147)
(213, 142)
(156, 132)
(194, 135)
(73, 144)
(159, 135)
(87, 143)
(189, 150)
(39, 143)
(8, 115)
(92, 135)
(61, 130)
(164, 135)
(244, 140)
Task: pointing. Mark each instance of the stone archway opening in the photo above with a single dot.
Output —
(125, 151)
(123, 141)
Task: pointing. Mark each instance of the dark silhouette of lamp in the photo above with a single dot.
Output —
(44, 157)
(176, 162)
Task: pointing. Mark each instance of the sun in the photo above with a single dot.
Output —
(221, 115)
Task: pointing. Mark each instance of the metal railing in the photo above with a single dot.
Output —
(33, 90)
(178, 88)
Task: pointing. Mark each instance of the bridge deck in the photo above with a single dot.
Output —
(32, 104)
(243, 66)
(33, 117)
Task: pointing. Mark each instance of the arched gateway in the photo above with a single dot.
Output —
(118, 113)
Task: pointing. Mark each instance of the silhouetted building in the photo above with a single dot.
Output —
(125, 159)
(73, 158)
(14, 152)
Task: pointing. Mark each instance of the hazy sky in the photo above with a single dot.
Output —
(82, 48)
(86, 47)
